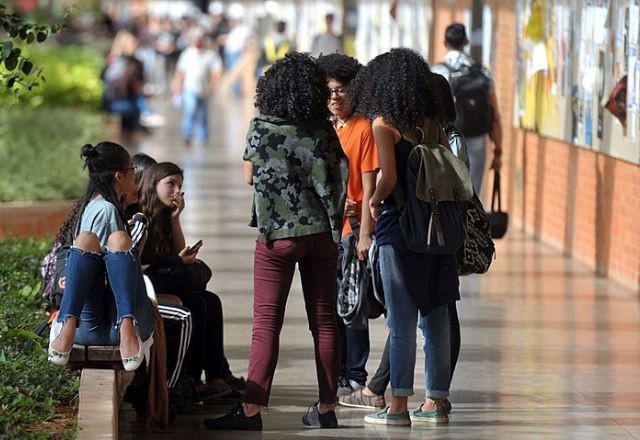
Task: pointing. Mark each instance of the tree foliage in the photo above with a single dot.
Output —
(17, 69)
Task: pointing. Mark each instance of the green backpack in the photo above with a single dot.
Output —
(433, 219)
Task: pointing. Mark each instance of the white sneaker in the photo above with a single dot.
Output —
(152, 120)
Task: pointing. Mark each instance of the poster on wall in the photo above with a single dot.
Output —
(575, 58)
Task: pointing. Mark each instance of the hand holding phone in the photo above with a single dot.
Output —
(195, 248)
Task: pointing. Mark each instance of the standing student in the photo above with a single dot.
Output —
(326, 42)
(373, 394)
(458, 63)
(356, 138)
(393, 90)
(197, 73)
(275, 46)
(298, 171)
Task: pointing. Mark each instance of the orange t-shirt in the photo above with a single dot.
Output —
(356, 138)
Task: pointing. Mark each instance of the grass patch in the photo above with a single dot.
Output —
(34, 394)
(40, 151)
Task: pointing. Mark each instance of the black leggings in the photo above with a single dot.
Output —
(206, 351)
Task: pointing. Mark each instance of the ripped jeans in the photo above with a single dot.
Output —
(100, 290)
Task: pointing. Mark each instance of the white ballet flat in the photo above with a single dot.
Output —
(56, 357)
(144, 352)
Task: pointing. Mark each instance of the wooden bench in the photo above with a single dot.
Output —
(101, 384)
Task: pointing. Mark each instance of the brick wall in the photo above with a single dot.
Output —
(584, 203)
(32, 219)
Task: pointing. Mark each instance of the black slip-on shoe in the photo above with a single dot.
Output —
(313, 418)
(238, 384)
(235, 420)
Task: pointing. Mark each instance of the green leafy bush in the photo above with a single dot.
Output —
(31, 389)
(72, 77)
(40, 152)
(17, 70)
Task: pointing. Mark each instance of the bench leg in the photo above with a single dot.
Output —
(98, 405)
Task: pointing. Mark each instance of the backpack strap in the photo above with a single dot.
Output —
(431, 130)
(355, 227)
(434, 221)
(448, 66)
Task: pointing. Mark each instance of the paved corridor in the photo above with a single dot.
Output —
(548, 349)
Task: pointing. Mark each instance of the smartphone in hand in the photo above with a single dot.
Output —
(195, 248)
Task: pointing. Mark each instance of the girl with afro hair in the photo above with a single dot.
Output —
(395, 91)
(298, 171)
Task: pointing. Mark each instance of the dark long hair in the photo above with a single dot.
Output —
(141, 162)
(442, 90)
(102, 161)
(159, 215)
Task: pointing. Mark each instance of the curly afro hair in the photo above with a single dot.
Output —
(340, 67)
(397, 87)
(295, 89)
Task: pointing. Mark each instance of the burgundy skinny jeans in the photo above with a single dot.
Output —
(274, 265)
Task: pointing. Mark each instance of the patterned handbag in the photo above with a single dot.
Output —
(478, 251)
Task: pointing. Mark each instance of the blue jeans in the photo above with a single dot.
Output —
(437, 351)
(195, 116)
(130, 107)
(231, 59)
(100, 307)
(402, 319)
(477, 149)
(354, 348)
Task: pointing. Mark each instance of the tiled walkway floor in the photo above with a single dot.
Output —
(548, 349)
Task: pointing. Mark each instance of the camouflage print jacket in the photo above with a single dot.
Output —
(299, 178)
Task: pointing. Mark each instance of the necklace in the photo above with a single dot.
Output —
(341, 123)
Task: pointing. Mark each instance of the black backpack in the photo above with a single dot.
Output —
(470, 86)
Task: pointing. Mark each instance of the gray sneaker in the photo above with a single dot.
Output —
(358, 399)
(347, 387)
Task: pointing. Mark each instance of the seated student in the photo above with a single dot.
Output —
(142, 161)
(176, 319)
(171, 265)
(94, 311)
